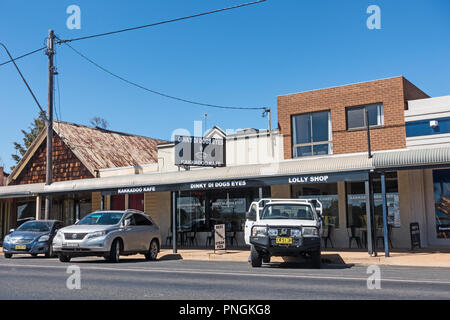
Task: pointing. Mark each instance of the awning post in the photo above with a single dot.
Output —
(385, 222)
(369, 219)
(174, 223)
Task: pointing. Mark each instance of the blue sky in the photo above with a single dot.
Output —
(244, 57)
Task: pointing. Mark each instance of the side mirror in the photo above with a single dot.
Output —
(126, 223)
(11, 230)
(78, 220)
(250, 216)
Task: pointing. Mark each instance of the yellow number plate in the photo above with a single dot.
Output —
(281, 240)
(21, 247)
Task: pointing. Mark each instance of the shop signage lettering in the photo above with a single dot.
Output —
(310, 179)
(199, 151)
(136, 190)
(219, 237)
(219, 184)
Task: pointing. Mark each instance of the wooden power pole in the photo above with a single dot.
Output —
(50, 52)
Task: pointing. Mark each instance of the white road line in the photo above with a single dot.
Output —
(214, 272)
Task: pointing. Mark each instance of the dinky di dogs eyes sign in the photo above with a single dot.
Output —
(199, 151)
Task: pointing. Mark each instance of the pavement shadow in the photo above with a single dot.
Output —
(170, 257)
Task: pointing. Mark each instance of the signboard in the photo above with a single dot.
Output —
(199, 151)
(219, 237)
(415, 235)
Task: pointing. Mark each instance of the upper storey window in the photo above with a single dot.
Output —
(357, 117)
(311, 134)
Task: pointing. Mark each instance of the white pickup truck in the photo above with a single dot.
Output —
(284, 227)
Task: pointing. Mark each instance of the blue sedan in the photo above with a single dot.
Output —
(32, 237)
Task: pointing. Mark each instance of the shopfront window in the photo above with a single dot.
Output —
(441, 181)
(325, 193)
(201, 210)
(356, 202)
(136, 201)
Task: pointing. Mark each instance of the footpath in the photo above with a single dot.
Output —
(418, 258)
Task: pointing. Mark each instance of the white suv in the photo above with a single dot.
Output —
(109, 234)
(284, 227)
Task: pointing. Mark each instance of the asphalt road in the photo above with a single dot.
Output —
(40, 278)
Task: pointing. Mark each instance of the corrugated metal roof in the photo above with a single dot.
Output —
(408, 158)
(98, 149)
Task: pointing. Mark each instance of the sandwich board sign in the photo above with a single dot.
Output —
(219, 237)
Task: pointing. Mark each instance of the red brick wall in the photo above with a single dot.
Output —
(66, 165)
(390, 92)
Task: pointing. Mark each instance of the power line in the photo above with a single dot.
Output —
(23, 79)
(161, 22)
(22, 56)
(156, 92)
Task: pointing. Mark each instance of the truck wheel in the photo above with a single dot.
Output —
(8, 255)
(266, 259)
(255, 257)
(316, 259)
(64, 258)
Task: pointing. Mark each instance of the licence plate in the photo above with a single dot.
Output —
(280, 240)
(20, 247)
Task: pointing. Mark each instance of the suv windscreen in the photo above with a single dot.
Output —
(101, 218)
(287, 211)
(35, 226)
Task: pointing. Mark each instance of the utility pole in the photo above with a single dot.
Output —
(50, 52)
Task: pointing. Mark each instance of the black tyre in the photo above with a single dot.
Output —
(8, 255)
(114, 253)
(255, 258)
(266, 259)
(316, 259)
(64, 258)
(49, 253)
(152, 253)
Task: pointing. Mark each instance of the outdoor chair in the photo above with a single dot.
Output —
(169, 236)
(191, 238)
(353, 236)
(380, 236)
(327, 236)
(210, 239)
(231, 237)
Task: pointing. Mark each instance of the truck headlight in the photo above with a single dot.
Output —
(259, 231)
(272, 232)
(310, 232)
(296, 233)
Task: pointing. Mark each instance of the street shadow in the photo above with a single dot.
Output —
(328, 261)
(170, 257)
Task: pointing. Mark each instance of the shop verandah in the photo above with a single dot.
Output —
(199, 199)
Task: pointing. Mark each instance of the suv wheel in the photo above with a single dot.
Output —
(49, 253)
(255, 257)
(64, 258)
(152, 251)
(316, 256)
(114, 254)
(8, 255)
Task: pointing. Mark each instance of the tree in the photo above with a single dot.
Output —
(35, 128)
(99, 122)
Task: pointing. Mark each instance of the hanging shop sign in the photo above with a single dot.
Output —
(199, 151)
